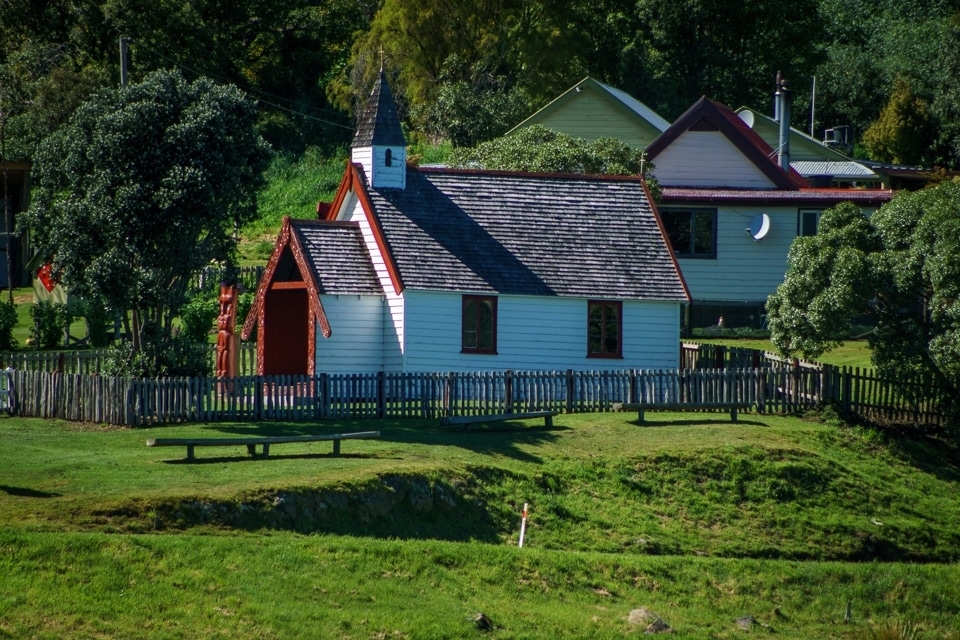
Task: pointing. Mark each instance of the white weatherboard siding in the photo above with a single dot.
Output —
(707, 159)
(744, 270)
(536, 333)
(356, 341)
(373, 160)
(393, 308)
(363, 156)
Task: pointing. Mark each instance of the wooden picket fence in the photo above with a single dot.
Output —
(90, 361)
(139, 402)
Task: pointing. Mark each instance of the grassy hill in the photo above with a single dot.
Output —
(700, 521)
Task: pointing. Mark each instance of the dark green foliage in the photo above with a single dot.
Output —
(244, 303)
(901, 267)
(171, 356)
(50, 321)
(542, 150)
(145, 186)
(99, 323)
(467, 112)
(197, 317)
(8, 320)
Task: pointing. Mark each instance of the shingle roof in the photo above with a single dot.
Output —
(526, 234)
(380, 124)
(337, 256)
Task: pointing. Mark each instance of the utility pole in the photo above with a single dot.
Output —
(124, 59)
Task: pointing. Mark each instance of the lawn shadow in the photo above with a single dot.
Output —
(689, 422)
(24, 492)
(938, 456)
(259, 458)
(506, 438)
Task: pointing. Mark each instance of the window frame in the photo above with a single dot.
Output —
(692, 213)
(800, 225)
(605, 304)
(475, 324)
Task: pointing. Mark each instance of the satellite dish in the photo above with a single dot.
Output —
(759, 227)
(747, 116)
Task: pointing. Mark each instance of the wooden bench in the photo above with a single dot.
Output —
(640, 407)
(466, 421)
(265, 442)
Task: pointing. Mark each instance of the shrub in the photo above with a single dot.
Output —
(50, 321)
(197, 317)
(170, 357)
(8, 320)
(99, 322)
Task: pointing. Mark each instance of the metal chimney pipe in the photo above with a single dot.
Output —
(783, 148)
(776, 99)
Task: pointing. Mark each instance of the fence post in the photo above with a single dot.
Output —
(569, 390)
(508, 390)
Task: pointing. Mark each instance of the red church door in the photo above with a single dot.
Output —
(286, 332)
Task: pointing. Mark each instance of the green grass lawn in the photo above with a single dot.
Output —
(409, 536)
(852, 353)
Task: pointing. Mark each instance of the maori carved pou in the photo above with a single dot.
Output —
(227, 352)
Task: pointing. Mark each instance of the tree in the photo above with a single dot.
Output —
(903, 133)
(530, 46)
(901, 268)
(542, 150)
(729, 51)
(141, 188)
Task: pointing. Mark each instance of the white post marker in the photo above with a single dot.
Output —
(523, 523)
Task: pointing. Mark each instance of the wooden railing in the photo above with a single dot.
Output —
(136, 402)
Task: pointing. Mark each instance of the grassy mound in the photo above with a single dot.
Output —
(699, 520)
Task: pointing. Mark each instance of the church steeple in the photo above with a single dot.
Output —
(379, 144)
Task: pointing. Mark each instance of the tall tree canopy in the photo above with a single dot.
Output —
(283, 52)
(144, 186)
(901, 267)
(729, 50)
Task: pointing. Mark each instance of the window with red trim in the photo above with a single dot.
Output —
(604, 329)
(479, 334)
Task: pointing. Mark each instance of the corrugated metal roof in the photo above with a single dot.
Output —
(637, 107)
(838, 169)
(801, 196)
(526, 234)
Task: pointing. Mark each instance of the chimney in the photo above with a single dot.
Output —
(776, 99)
(783, 148)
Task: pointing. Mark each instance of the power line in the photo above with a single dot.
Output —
(255, 93)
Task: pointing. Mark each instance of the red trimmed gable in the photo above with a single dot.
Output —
(708, 115)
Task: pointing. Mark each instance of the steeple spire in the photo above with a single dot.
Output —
(379, 144)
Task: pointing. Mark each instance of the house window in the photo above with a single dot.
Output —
(808, 221)
(604, 329)
(388, 158)
(479, 324)
(692, 232)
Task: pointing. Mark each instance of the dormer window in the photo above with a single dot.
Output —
(388, 158)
